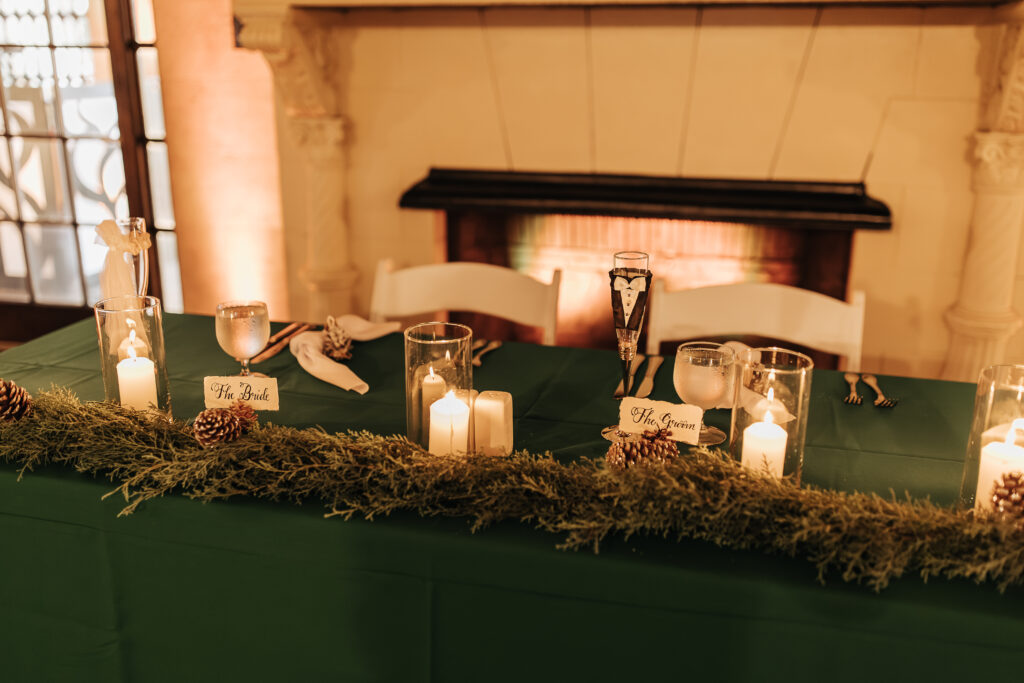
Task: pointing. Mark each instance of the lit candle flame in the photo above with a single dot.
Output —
(447, 355)
(1011, 433)
(771, 394)
(768, 419)
(131, 349)
(431, 370)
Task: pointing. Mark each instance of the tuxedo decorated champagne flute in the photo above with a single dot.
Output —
(243, 328)
(630, 282)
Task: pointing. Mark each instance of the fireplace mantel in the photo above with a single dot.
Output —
(263, 7)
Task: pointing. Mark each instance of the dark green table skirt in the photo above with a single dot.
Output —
(252, 591)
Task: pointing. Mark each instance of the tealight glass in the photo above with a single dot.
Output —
(438, 360)
(769, 419)
(132, 357)
(995, 446)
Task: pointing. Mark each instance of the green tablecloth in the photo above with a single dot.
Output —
(246, 590)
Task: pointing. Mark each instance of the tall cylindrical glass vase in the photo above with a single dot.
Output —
(132, 356)
(769, 419)
(438, 361)
(995, 447)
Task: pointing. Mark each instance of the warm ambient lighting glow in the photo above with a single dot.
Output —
(222, 138)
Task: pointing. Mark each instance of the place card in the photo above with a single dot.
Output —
(637, 415)
(259, 392)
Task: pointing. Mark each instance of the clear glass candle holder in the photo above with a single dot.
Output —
(769, 419)
(995, 446)
(438, 360)
(131, 338)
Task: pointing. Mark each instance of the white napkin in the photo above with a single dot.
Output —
(308, 350)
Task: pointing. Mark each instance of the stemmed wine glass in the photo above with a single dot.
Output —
(703, 376)
(243, 328)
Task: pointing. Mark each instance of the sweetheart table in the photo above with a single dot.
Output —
(247, 590)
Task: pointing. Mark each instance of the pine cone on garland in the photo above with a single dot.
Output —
(217, 425)
(15, 403)
(337, 342)
(650, 448)
(1008, 497)
(245, 413)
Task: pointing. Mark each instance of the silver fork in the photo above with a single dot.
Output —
(853, 398)
(881, 401)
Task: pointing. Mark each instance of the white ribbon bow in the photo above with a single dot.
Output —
(118, 278)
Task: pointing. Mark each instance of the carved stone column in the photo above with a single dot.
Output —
(982, 319)
(297, 47)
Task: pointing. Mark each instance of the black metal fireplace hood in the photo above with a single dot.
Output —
(781, 203)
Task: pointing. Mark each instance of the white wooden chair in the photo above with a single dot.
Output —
(473, 287)
(770, 310)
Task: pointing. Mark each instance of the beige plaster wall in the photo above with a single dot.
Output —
(221, 137)
(890, 96)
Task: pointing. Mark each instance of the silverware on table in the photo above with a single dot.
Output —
(853, 398)
(634, 365)
(881, 401)
(284, 332)
(647, 385)
(282, 341)
(487, 348)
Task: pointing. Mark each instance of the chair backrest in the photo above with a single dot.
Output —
(769, 310)
(473, 287)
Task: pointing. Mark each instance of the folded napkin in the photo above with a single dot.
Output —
(752, 401)
(308, 350)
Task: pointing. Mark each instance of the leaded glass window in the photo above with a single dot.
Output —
(78, 109)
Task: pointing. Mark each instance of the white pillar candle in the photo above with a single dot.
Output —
(136, 381)
(764, 445)
(432, 389)
(997, 458)
(492, 420)
(449, 426)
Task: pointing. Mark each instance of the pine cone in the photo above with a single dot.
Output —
(1008, 496)
(15, 403)
(245, 413)
(337, 343)
(649, 448)
(216, 425)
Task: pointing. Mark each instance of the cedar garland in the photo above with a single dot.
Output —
(861, 538)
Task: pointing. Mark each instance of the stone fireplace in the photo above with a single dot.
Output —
(918, 102)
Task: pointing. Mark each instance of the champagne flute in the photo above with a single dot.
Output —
(243, 328)
(703, 376)
(630, 282)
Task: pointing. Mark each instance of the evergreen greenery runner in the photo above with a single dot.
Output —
(860, 538)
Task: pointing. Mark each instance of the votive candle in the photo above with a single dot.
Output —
(997, 458)
(449, 426)
(492, 420)
(136, 381)
(432, 389)
(764, 446)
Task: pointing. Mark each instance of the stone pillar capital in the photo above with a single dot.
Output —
(999, 162)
